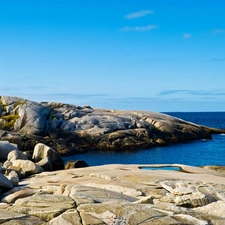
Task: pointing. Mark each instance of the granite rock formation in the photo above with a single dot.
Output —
(118, 194)
(70, 129)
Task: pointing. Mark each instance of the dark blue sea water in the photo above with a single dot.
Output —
(196, 153)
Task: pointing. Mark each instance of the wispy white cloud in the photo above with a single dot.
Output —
(9, 89)
(187, 36)
(26, 77)
(37, 87)
(192, 92)
(139, 28)
(80, 96)
(138, 14)
(219, 31)
(217, 60)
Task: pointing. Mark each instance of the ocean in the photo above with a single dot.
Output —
(195, 153)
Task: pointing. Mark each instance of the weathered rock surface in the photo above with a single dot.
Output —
(6, 215)
(44, 206)
(129, 195)
(70, 129)
(70, 217)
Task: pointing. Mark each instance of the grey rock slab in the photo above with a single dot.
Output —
(99, 194)
(70, 217)
(44, 206)
(118, 189)
(134, 214)
(29, 220)
(15, 194)
(121, 213)
(6, 215)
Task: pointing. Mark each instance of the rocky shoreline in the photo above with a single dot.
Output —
(118, 194)
(36, 187)
(38, 190)
(71, 129)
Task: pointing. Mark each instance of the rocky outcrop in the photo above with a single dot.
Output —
(70, 129)
(118, 194)
(18, 166)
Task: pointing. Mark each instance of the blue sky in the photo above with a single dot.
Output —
(159, 55)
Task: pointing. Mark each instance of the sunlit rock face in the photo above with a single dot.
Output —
(117, 194)
(70, 128)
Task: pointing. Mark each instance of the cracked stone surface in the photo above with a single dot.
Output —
(131, 196)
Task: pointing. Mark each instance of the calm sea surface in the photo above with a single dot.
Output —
(196, 153)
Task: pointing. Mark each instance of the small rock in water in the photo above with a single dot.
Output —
(76, 164)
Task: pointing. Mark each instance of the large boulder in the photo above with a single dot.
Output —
(14, 155)
(6, 148)
(42, 151)
(28, 167)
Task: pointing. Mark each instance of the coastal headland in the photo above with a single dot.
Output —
(36, 187)
(72, 129)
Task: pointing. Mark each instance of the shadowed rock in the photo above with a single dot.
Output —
(75, 164)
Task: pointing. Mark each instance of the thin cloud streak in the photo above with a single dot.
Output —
(26, 77)
(79, 96)
(139, 28)
(191, 92)
(217, 60)
(138, 14)
(219, 31)
(187, 36)
(37, 87)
